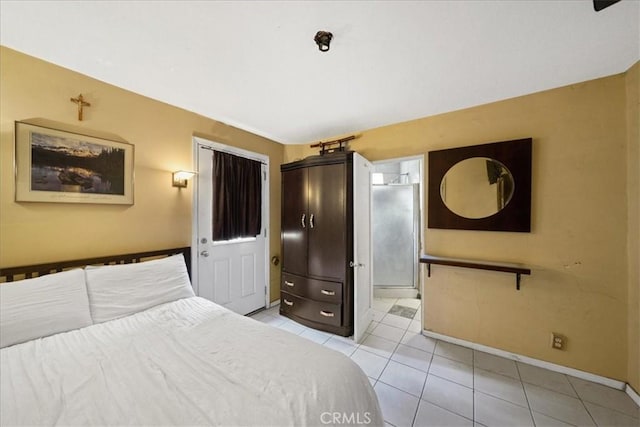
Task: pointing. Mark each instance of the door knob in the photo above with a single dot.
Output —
(204, 253)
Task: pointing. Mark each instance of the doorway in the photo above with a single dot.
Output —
(232, 273)
(396, 218)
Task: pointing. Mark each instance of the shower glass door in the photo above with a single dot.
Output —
(395, 227)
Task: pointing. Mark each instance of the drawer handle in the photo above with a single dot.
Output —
(326, 313)
(289, 283)
(326, 292)
(286, 301)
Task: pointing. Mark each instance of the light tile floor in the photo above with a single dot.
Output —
(421, 381)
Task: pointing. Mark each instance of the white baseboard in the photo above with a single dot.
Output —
(537, 362)
(632, 394)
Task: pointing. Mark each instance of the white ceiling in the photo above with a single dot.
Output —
(254, 64)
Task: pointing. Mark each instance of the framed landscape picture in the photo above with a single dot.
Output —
(65, 167)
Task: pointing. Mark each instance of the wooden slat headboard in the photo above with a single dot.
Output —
(10, 274)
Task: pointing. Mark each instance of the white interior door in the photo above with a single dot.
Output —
(363, 289)
(230, 273)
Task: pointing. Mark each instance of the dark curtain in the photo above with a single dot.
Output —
(494, 171)
(237, 197)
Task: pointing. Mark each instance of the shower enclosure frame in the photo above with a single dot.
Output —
(421, 221)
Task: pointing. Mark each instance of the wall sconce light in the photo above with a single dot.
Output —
(322, 39)
(180, 178)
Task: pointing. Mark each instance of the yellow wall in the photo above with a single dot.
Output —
(162, 135)
(578, 245)
(633, 174)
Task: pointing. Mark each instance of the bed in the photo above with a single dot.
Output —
(170, 358)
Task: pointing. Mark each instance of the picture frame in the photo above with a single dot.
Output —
(62, 166)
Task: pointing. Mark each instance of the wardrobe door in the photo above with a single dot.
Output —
(295, 221)
(327, 222)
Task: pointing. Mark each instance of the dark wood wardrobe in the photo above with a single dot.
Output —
(317, 242)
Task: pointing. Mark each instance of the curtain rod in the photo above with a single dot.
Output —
(233, 154)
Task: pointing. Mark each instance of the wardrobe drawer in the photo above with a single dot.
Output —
(317, 290)
(316, 311)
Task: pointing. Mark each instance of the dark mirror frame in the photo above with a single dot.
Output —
(515, 216)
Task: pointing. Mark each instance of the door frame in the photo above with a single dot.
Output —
(421, 234)
(266, 224)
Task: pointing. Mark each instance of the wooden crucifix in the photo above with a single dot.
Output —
(81, 104)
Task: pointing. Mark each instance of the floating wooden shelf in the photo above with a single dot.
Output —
(516, 269)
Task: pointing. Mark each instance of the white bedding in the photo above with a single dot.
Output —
(188, 362)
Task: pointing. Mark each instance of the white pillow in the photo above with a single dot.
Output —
(47, 305)
(123, 289)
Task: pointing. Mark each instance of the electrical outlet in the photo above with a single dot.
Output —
(558, 341)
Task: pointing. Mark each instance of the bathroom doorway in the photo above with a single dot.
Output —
(395, 224)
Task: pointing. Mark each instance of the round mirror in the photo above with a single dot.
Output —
(477, 187)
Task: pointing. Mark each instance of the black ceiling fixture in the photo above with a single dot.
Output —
(322, 39)
(598, 5)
